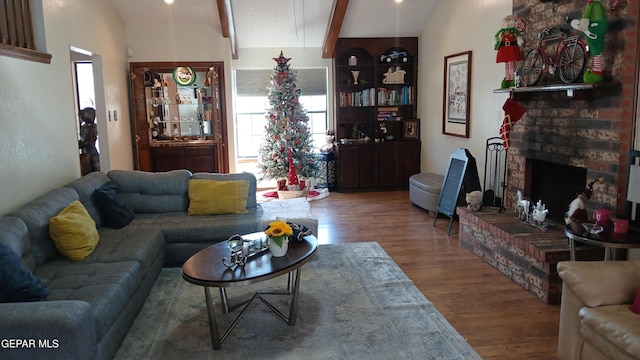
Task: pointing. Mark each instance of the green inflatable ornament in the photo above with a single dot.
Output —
(594, 25)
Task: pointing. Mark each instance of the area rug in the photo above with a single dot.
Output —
(355, 303)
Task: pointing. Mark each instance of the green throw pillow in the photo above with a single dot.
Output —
(74, 232)
(212, 197)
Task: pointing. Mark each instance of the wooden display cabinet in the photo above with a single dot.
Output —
(376, 92)
(179, 116)
(377, 166)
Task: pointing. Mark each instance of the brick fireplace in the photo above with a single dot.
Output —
(564, 142)
(594, 129)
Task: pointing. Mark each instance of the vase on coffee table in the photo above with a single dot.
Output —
(278, 246)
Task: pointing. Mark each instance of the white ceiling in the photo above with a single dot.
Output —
(286, 23)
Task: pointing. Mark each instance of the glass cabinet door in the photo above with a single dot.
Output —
(182, 110)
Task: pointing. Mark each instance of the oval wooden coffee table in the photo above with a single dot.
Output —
(205, 268)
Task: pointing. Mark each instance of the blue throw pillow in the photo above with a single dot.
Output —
(114, 213)
(18, 283)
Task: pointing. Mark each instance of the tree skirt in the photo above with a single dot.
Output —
(313, 195)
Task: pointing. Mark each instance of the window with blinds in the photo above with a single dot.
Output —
(251, 102)
(256, 82)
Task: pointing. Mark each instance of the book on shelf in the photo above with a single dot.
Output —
(395, 96)
(364, 97)
(392, 108)
(388, 115)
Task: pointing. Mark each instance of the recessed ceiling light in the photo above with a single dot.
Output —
(398, 1)
(168, 1)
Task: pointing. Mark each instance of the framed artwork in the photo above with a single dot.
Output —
(457, 94)
(410, 130)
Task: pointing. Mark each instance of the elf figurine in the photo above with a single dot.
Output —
(594, 25)
(508, 41)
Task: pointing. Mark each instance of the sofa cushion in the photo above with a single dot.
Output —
(73, 232)
(212, 197)
(618, 281)
(611, 329)
(18, 282)
(115, 214)
(15, 235)
(253, 183)
(117, 245)
(146, 192)
(36, 215)
(107, 287)
(85, 187)
(182, 228)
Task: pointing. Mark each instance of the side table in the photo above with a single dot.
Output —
(607, 239)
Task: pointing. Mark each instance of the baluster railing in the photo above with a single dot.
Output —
(16, 27)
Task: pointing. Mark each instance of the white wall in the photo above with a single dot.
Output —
(39, 143)
(459, 26)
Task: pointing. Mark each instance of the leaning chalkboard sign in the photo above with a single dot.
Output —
(451, 186)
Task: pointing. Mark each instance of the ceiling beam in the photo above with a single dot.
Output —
(226, 22)
(333, 28)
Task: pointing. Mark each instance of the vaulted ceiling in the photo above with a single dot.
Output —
(286, 23)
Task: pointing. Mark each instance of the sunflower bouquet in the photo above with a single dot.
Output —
(278, 231)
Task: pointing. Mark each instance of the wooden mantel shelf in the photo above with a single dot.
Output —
(570, 89)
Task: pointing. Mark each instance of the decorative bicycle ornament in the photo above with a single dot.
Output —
(555, 51)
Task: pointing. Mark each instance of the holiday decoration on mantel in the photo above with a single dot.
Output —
(512, 113)
(508, 41)
(287, 145)
(594, 25)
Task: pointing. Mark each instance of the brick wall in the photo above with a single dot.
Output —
(595, 132)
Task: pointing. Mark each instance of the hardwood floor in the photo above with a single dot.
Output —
(499, 319)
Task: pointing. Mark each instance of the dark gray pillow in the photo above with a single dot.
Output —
(115, 214)
(18, 283)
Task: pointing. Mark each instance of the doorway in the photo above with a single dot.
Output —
(82, 70)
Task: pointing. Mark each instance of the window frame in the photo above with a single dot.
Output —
(315, 135)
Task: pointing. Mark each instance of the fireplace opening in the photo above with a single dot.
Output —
(555, 184)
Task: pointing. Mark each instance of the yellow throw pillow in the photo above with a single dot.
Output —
(212, 197)
(74, 232)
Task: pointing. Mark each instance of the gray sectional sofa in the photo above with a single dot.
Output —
(92, 302)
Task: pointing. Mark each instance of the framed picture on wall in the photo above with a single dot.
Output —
(457, 94)
(410, 130)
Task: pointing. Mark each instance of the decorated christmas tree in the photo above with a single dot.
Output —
(287, 134)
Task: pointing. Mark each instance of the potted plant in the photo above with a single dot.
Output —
(278, 234)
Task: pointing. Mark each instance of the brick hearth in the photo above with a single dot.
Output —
(524, 254)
